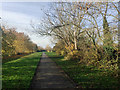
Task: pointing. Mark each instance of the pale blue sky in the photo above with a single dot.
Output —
(20, 14)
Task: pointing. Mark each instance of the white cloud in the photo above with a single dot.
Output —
(22, 23)
(42, 41)
(14, 18)
(0, 9)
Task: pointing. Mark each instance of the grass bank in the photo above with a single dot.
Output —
(19, 73)
(85, 76)
(13, 57)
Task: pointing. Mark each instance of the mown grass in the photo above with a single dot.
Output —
(85, 76)
(13, 57)
(18, 73)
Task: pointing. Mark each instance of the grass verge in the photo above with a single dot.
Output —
(13, 57)
(85, 76)
(19, 73)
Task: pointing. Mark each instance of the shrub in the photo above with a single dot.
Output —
(74, 55)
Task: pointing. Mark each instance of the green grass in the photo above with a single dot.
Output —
(85, 76)
(19, 73)
(13, 57)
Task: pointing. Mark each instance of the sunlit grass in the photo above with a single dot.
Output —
(85, 76)
(13, 57)
(19, 73)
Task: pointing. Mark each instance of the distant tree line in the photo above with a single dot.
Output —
(16, 43)
(46, 49)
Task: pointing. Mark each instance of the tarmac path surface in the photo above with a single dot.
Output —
(49, 75)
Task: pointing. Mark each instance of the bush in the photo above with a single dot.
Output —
(63, 53)
(74, 55)
(110, 52)
(105, 58)
(90, 56)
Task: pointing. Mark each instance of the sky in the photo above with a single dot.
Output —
(20, 15)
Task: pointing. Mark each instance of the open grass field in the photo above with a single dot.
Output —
(19, 73)
(85, 76)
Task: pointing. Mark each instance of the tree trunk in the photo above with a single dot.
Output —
(107, 34)
(75, 40)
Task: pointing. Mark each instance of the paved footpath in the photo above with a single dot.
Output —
(49, 75)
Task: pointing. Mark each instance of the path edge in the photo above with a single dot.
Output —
(66, 74)
(30, 86)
